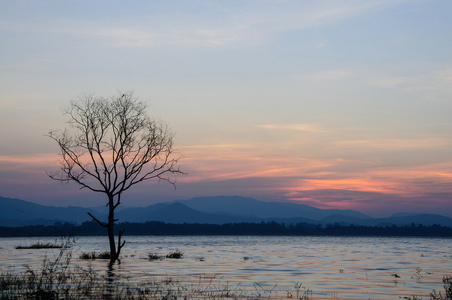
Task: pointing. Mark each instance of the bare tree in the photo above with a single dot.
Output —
(111, 146)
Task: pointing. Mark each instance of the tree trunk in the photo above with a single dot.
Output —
(111, 233)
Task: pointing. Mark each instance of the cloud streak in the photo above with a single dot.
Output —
(295, 127)
(232, 24)
(396, 144)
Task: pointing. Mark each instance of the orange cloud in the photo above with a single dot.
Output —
(268, 171)
(353, 184)
(294, 175)
(236, 161)
(439, 170)
(40, 159)
(31, 164)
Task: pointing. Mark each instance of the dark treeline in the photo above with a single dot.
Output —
(263, 228)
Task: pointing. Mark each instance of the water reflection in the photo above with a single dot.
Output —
(110, 281)
(346, 267)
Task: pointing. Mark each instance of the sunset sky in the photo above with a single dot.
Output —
(334, 104)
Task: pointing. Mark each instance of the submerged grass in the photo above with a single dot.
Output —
(173, 255)
(95, 255)
(40, 245)
(176, 254)
(63, 243)
(154, 256)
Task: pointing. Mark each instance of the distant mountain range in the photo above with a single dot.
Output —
(205, 210)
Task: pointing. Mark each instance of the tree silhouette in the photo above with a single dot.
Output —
(112, 145)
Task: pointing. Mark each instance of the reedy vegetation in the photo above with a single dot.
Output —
(57, 278)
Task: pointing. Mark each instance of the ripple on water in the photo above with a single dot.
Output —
(346, 268)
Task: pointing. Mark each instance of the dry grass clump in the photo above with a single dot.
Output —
(447, 293)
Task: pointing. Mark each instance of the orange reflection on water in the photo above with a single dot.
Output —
(271, 267)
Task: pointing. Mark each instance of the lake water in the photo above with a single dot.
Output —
(331, 267)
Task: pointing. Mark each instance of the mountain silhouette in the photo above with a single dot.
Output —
(16, 212)
(253, 208)
(173, 213)
(205, 210)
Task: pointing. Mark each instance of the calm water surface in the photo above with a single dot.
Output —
(332, 267)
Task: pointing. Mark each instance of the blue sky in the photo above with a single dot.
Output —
(335, 104)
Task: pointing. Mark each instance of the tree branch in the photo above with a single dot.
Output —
(113, 146)
(99, 222)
